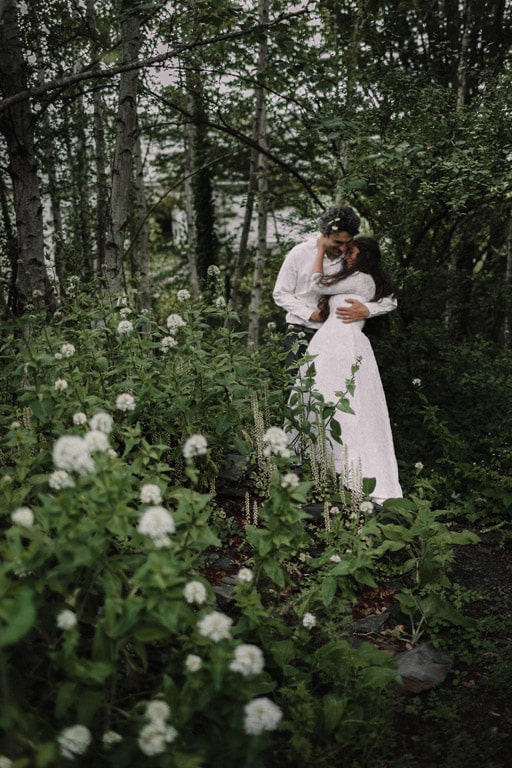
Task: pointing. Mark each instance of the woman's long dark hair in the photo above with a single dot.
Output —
(369, 261)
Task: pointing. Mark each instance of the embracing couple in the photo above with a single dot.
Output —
(329, 286)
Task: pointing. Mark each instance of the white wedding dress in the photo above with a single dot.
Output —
(367, 448)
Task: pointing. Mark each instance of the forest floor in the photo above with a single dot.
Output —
(466, 721)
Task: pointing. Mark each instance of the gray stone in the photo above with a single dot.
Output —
(370, 623)
(422, 668)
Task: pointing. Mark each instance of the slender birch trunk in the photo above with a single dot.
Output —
(141, 262)
(122, 171)
(260, 261)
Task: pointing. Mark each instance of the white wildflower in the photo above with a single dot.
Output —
(156, 522)
(183, 295)
(261, 715)
(248, 660)
(366, 508)
(213, 271)
(58, 355)
(60, 479)
(290, 480)
(196, 445)
(245, 576)
(334, 511)
(220, 302)
(125, 326)
(101, 421)
(125, 402)
(23, 516)
(195, 592)
(418, 466)
(71, 453)
(193, 663)
(150, 494)
(276, 443)
(97, 441)
(15, 425)
(216, 626)
(66, 620)
(174, 322)
(67, 350)
(60, 385)
(335, 559)
(155, 736)
(167, 343)
(74, 741)
(79, 419)
(157, 710)
(271, 326)
(124, 312)
(309, 620)
(110, 739)
(416, 382)
(5, 762)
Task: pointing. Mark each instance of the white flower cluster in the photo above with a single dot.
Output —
(74, 741)
(174, 322)
(213, 271)
(276, 443)
(23, 517)
(418, 466)
(72, 454)
(60, 385)
(196, 445)
(366, 508)
(245, 576)
(216, 626)
(60, 479)
(79, 419)
(220, 302)
(416, 382)
(195, 592)
(66, 350)
(66, 620)
(5, 762)
(110, 739)
(97, 441)
(248, 660)
(125, 312)
(124, 327)
(150, 494)
(167, 343)
(261, 715)
(102, 422)
(335, 559)
(309, 620)
(193, 663)
(125, 402)
(156, 522)
(290, 480)
(155, 736)
(183, 295)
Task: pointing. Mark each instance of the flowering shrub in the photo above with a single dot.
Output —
(126, 654)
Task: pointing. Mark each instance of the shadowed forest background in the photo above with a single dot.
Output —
(157, 162)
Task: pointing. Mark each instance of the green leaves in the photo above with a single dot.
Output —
(17, 616)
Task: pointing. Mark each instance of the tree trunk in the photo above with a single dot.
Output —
(30, 279)
(140, 245)
(462, 69)
(189, 210)
(99, 151)
(507, 325)
(122, 171)
(259, 264)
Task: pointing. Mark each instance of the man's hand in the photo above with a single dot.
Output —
(356, 311)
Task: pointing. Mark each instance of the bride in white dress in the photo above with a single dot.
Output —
(367, 448)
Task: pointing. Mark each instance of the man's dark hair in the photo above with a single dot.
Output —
(339, 218)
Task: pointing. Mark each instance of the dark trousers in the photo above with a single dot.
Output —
(295, 343)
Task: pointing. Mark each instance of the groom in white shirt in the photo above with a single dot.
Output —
(295, 292)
